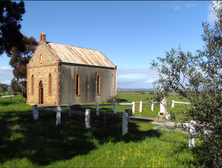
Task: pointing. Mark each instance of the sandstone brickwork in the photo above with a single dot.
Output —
(40, 66)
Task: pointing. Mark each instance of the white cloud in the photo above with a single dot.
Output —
(212, 17)
(5, 68)
(190, 6)
(6, 74)
(134, 83)
(177, 7)
(136, 78)
(131, 76)
(151, 80)
(134, 71)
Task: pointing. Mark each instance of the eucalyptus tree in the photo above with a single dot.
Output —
(198, 77)
(18, 61)
(3, 88)
(10, 17)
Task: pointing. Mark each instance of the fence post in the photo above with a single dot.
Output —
(141, 106)
(133, 107)
(70, 104)
(35, 112)
(97, 108)
(152, 105)
(172, 103)
(115, 107)
(192, 134)
(58, 115)
(125, 124)
(87, 118)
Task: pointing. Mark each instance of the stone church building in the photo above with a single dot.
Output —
(59, 74)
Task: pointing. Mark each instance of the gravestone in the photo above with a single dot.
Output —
(129, 112)
(162, 107)
(163, 112)
(75, 107)
(137, 106)
(192, 134)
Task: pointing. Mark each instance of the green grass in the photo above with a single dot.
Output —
(147, 112)
(40, 143)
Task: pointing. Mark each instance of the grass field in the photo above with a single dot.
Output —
(146, 112)
(40, 143)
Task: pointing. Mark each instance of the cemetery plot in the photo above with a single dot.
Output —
(104, 121)
(74, 118)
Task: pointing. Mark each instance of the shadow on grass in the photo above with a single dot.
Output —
(6, 103)
(43, 142)
(198, 157)
(121, 100)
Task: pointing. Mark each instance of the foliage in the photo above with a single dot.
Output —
(198, 78)
(18, 61)
(16, 86)
(112, 99)
(3, 87)
(10, 17)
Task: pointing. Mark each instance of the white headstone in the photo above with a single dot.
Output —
(192, 134)
(97, 108)
(152, 106)
(35, 112)
(133, 107)
(115, 107)
(163, 107)
(141, 106)
(87, 118)
(58, 115)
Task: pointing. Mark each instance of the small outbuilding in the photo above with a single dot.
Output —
(59, 74)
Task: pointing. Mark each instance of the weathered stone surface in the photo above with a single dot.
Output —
(41, 69)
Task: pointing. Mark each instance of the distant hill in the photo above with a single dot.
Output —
(134, 90)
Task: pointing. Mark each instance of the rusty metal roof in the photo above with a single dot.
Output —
(80, 55)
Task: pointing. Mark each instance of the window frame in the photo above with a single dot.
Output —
(77, 86)
(32, 84)
(98, 84)
(50, 84)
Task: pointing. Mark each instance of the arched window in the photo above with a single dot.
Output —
(32, 84)
(98, 84)
(50, 84)
(40, 92)
(77, 84)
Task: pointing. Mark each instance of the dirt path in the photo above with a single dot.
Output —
(153, 120)
(7, 96)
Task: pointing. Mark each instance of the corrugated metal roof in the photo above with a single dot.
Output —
(80, 55)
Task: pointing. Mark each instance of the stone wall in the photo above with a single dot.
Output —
(47, 57)
(40, 66)
(42, 74)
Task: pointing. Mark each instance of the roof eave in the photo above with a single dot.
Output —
(87, 65)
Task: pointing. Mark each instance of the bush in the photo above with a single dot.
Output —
(113, 99)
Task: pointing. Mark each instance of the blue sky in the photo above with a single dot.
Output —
(130, 33)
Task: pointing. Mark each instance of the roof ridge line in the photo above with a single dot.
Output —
(74, 46)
